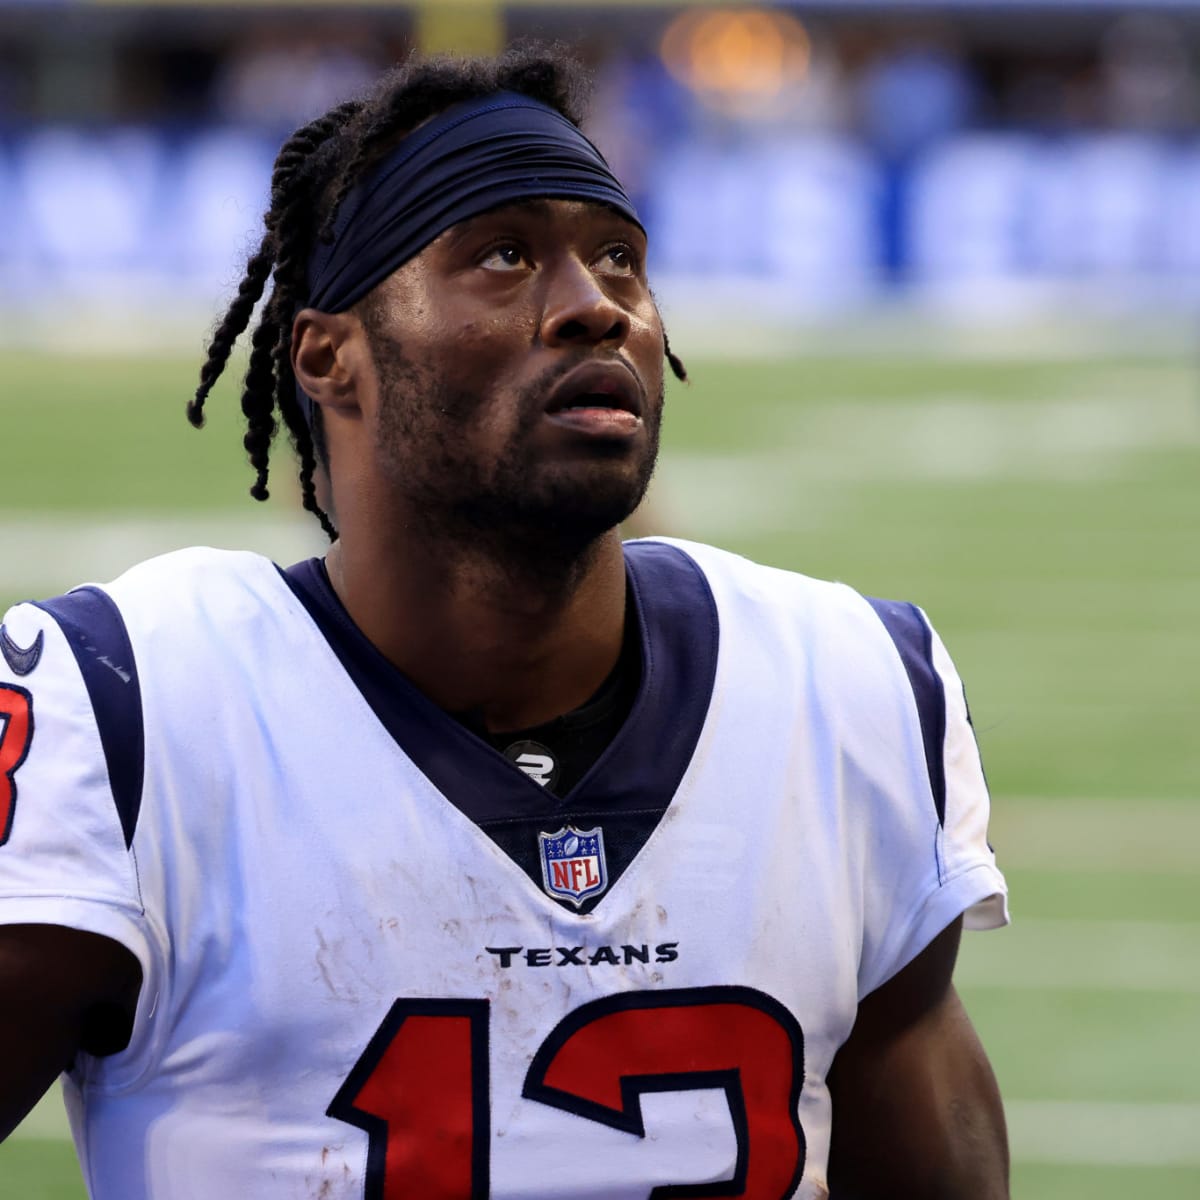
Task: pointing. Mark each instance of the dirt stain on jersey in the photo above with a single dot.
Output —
(326, 1189)
(323, 965)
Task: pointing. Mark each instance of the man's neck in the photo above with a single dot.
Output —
(518, 640)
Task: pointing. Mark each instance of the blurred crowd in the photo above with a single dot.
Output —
(836, 154)
(896, 82)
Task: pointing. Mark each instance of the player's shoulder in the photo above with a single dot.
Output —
(740, 584)
(855, 645)
(197, 573)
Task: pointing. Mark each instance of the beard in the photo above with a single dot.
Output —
(509, 501)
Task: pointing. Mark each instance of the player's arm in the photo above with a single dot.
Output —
(61, 991)
(916, 1110)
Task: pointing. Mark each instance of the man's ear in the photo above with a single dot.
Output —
(328, 352)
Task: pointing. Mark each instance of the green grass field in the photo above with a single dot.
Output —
(1047, 516)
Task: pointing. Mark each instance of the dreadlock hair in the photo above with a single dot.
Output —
(315, 170)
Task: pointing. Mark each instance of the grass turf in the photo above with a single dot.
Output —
(39, 1169)
(1044, 513)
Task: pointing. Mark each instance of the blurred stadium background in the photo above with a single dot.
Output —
(935, 269)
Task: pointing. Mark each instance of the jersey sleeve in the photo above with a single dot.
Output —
(71, 757)
(929, 857)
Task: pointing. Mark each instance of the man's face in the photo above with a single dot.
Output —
(519, 362)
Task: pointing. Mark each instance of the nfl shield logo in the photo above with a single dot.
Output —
(573, 865)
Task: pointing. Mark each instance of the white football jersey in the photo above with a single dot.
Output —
(381, 962)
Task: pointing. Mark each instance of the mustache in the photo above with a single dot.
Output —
(403, 381)
(532, 398)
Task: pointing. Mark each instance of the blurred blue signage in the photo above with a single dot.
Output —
(818, 215)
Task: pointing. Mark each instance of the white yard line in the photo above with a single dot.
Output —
(1117, 835)
(1098, 1133)
(1067, 434)
(736, 318)
(41, 554)
(1074, 955)
(1054, 1132)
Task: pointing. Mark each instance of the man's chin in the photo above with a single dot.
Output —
(568, 515)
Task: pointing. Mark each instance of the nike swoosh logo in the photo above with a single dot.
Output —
(21, 660)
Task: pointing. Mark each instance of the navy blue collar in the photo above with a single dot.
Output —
(643, 765)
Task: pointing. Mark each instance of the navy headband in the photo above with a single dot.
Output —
(473, 157)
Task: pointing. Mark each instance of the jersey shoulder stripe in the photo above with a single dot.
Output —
(95, 631)
(913, 639)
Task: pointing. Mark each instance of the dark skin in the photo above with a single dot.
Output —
(460, 430)
(916, 1109)
(61, 991)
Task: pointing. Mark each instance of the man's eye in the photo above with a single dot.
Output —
(618, 260)
(504, 258)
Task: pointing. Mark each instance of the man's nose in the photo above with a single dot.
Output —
(579, 311)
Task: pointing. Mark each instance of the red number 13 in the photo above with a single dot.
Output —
(16, 732)
(420, 1089)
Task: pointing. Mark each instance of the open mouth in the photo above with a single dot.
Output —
(600, 388)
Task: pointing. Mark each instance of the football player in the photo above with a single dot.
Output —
(485, 855)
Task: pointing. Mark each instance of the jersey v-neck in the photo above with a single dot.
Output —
(557, 753)
(632, 782)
